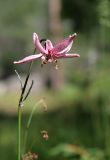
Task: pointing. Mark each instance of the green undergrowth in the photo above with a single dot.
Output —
(53, 98)
(70, 136)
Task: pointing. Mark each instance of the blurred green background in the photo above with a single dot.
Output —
(77, 95)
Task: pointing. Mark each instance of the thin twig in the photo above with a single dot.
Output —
(19, 79)
(41, 101)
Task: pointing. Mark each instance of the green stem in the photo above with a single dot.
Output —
(19, 133)
(20, 107)
(28, 124)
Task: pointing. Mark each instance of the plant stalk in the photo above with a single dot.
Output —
(28, 125)
(19, 133)
(21, 100)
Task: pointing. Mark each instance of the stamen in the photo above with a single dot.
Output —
(56, 66)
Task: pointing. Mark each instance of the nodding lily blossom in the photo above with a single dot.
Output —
(48, 53)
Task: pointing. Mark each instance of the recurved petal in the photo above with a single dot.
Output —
(64, 46)
(28, 59)
(49, 45)
(38, 44)
(67, 55)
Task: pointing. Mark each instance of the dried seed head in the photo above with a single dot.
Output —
(45, 134)
(30, 156)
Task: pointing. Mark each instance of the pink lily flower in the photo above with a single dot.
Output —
(50, 53)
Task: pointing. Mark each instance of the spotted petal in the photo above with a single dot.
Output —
(28, 59)
(64, 46)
